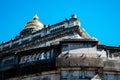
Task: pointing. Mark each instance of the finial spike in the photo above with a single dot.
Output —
(74, 16)
(35, 17)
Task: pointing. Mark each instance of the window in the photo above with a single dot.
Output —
(65, 47)
(6, 47)
(15, 44)
(48, 54)
(36, 37)
(57, 29)
(25, 41)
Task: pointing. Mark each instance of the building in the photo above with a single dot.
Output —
(63, 51)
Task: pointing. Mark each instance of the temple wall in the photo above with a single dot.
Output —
(39, 76)
(69, 74)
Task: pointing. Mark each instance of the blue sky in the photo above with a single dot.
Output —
(100, 18)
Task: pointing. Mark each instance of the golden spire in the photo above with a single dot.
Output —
(35, 23)
(35, 17)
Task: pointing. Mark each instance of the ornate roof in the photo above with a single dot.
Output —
(35, 23)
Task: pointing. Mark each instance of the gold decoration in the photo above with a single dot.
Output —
(34, 23)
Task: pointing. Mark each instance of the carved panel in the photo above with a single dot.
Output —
(111, 77)
(112, 65)
(77, 75)
(78, 61)
(41, 77)
(34, 57)
(8, 61)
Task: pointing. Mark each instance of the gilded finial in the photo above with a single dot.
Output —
(35, 17)
(35, 23)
